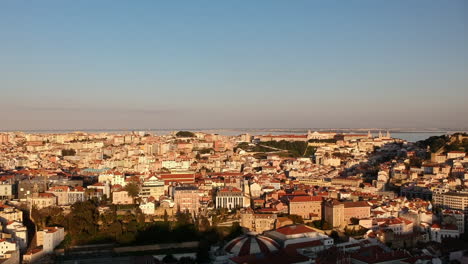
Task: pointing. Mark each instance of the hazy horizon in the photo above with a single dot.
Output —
(74, 65)
(258, 129)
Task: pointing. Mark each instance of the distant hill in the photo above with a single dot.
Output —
(446, 143)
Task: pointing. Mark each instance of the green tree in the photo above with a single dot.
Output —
(133, 189)
(326, 225)
(321, 224)
(68, 152)
(415, 162)
(183, 218)
(204, 223)
(205, 150)
(235, 231)
(83, 219)
(115, 229)
(335, 236)
(38, 218)
(297, 219)
(166, 216)
(310, 151)
(67, 242)
(140, 217)
(354, 221)
(185, 134)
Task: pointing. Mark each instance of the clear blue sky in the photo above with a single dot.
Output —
(204, 64)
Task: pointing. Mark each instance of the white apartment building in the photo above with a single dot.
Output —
(9, 213)
(438, 232)
(6, 245)
(147, 208)
(451, 200)
(50, 238)
(18, 232)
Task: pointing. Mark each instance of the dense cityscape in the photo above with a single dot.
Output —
(234, 132)
(195, 197)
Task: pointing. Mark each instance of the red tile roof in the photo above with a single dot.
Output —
(294, 229)
(300, 199)
(49, 195)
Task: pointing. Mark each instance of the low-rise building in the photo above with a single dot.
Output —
(399, 226)
(9, 213)
(308, 207)
(148, 208)
(152, 187)
(61, 192)
(19, 233)
(230, 198)
(294, 234)
(258, 223)
(6, 191)
(187, 198)
(7, 246)
(50, 238)
(42, 200)
(440, 232)
(77, 194)
(121, 196)
(459, 218)
(339, 214)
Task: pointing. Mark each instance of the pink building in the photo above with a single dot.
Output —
(186, 198)
(61, 192)
(120, 196)
(309, 207)
(340, 213)
(359, 210)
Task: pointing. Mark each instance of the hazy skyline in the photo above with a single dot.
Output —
(223, 64)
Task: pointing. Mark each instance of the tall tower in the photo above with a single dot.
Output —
(380, 134)
(388, 134)
(369, 135)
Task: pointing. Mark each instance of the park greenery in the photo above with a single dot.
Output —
(434, 143)
(297, 219)
(296, 148)
(68, 152)
(250, 147)
(445, 142)
(94, 222)
(320, 224)
(291, 148)
(330, 140)
(205, 150)
(185, 134)
(310, 151)
(356, 232)
(133, 189)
